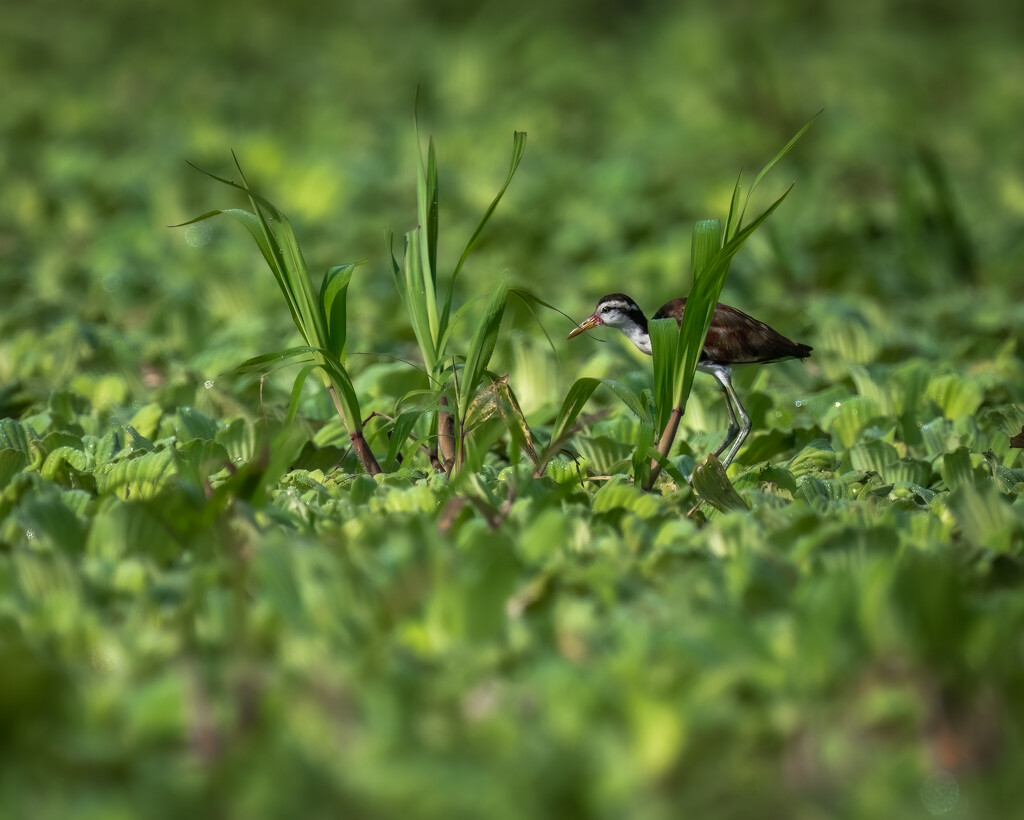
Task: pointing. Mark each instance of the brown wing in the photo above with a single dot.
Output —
(736, 338)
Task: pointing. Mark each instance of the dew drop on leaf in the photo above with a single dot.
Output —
(198, 234)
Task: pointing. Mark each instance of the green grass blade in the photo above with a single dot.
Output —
(296, 395)
(771, 164)
(709, 270)
(429, 221)
(454, 323)
(575, 400)
(333, 305)
(417, 299)
(278, 358)
(298, 285)
(711, 266)
(732, 221)
(294, 274)
(665, 352)
(345, 390)
(400, 282)
(276, 240)
(518, 149)
(736, 242)
(426, 210)
(581, 391)
(313, 314)
(400, 432)
(252, 223)
(642, 455)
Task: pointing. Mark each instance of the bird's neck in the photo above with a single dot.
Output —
(636, 331)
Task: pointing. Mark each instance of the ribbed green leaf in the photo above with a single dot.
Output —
(817, 491)
(14, 436)
(74, 457)
(198, 459)
(137, 478)
(617, 495)
(987, 521)
(955, 395)
(908, 471)
(193, 423)
(13, 462)
(604, 453)
(816, 457)
(850, 417)
(125, 528)
(712, 484)
(48, 519)
(240, 440)
(957, 470)
(872, 455)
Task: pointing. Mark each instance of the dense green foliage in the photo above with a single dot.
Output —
(208, 609)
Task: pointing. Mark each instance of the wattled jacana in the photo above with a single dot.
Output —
(733, 338)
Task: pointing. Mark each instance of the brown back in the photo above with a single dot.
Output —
(736, 338)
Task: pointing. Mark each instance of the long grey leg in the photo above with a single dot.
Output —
(739, 421)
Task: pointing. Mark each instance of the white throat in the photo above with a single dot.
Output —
(638, 336)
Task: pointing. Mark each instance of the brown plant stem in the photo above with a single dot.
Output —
(366, 457)
(445, 435)
(668, 436)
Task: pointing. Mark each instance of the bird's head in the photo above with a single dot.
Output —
(613, 310)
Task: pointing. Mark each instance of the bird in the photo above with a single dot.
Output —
(733, 338)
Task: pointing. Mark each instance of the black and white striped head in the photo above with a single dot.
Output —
(618, 310)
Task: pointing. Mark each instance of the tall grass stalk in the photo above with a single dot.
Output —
(429, 306)
(320, 318)
(676, 349)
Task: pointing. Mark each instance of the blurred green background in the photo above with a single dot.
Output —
(901, 242)
(638, 117)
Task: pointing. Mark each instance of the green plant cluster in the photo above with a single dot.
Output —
(210, 607)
